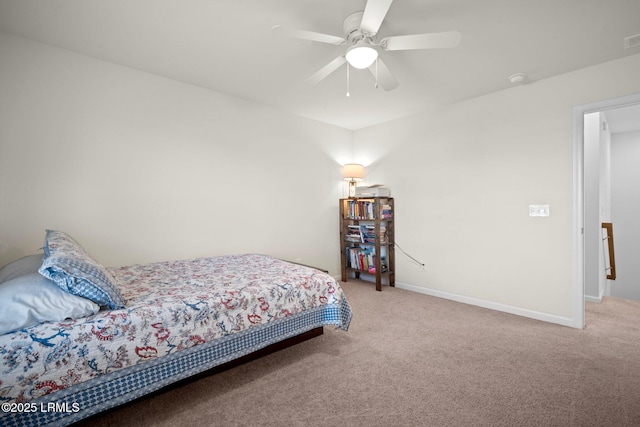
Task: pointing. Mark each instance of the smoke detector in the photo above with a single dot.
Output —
(632, 41)
(517, 78)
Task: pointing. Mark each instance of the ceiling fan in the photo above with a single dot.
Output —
(360, 31)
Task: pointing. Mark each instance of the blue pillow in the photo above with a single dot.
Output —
(72, 269)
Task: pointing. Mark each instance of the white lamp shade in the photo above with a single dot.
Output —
(353, 171)
(361, 55)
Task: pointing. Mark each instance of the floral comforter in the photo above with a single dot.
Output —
(170, 306)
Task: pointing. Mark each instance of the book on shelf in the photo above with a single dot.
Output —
(364, 209)
(386, 212)
(360, 209)
(366, 233)
(364, 259)
(370, 235)
(354, 234)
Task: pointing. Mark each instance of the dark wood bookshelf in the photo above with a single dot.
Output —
(367, 238)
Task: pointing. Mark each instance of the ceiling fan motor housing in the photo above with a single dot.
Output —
(351, 27)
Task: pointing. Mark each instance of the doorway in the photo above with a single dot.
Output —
(586, 218)
(624, 124)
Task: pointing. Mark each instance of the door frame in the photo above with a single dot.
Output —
(578, 195)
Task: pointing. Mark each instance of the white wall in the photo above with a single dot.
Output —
(464, 176)
(625, 195)
(141, 168)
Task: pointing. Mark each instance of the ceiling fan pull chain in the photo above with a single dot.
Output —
(376, 73)
(348, 94)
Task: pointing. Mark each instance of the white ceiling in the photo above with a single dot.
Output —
(227, 46)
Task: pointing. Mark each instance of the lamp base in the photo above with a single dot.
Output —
(352, 189)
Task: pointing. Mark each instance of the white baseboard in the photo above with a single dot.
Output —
(533, 314)
(597, 299)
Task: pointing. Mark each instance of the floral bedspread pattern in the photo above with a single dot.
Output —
(170, 306)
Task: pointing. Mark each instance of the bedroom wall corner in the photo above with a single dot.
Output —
(463, 177)
(140, 168)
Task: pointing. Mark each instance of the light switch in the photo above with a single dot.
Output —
(538, 210)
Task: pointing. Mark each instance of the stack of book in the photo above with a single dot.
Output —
(369, 234)
(354, 234)
(386, 212)
(366, 234)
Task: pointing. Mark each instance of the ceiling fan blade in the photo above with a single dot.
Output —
(446, 39)
(374, 14)
(307, 35)
(323, 72)
(385, 78)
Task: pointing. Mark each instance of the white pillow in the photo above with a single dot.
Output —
(31, 299)
(25, 265)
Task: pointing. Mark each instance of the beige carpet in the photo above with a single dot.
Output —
(414, 360)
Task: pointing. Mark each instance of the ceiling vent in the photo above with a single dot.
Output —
(632, 41)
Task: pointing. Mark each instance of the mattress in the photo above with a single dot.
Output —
(180, 318)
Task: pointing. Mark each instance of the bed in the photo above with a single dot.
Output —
(130, 331)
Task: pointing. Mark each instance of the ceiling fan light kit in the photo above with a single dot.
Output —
(361, 55)
(360, 29)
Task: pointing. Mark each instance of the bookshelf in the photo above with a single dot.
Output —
(367, 239)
